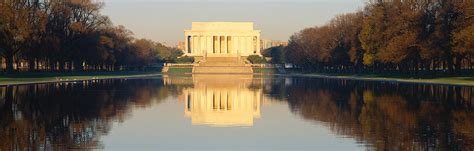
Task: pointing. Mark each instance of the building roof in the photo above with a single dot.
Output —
(222, 26)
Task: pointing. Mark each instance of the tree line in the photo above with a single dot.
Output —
(390, 36)
(71, 35)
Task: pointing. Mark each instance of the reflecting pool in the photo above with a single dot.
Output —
(236, 112)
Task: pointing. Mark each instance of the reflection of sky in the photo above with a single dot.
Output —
(165, 20)
(163, 126)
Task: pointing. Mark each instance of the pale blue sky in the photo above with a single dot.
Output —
(165, 20)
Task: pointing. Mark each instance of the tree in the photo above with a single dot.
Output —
(278, 54)
(394, 35)
(143, 52)
(373, 27)
(71, 35)
(15, 29)
(463, 35)
(167, 54)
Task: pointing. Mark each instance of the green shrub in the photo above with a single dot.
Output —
(185, 59)
(256, 59)
(180, 70)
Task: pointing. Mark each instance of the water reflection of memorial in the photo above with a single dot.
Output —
(223, 100)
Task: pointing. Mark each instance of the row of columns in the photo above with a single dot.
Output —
(216, 100)
(237, 45)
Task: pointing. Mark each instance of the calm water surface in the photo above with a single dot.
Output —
(236, 112)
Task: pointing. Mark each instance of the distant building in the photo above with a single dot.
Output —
(265, 44)
(181, 45)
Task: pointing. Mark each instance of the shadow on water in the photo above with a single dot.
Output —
(379, 115)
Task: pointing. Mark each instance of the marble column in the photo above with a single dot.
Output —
(235, 40)
(196, 45)
(225, 45)
(250, 44)
(209, 44)
(216, 44)
(213, 45)
(218, 47)
(241, 45)
(199, 45)
(229, 45)
(245, 45)
(237, 45)
(203, 45)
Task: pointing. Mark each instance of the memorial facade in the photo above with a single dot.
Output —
(222, 39)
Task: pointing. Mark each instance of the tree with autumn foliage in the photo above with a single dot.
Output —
(390, 36)
(70, 35)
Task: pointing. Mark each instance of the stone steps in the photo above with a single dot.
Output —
(223, 65)
(223, 69)
(223, 59)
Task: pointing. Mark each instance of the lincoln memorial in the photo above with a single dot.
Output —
(222, 47)
(222, 39)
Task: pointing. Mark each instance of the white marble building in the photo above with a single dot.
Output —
(222, 39)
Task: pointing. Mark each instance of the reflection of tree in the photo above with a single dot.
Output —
(70, 116)
(276, 87)
(389, 116)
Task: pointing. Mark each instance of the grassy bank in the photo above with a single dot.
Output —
(264, 70)
(464, 80)
(184, 70)
(46, 77)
